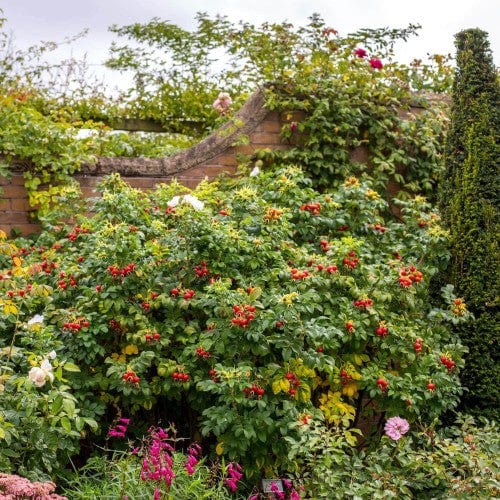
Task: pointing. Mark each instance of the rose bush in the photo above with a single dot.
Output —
(242, 311)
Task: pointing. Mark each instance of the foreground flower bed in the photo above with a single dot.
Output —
(257, 315)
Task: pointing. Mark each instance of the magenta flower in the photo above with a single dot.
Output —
(277, 492)
(376, 63)
(396, 428)
(360, 53)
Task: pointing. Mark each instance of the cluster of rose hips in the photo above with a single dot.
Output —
(117, 272)
(345, 378)
(21, 293)
(349, 326)
(130, 377)
(409, 275)
(417, 345)
(47, 266)
(152, 336)
(65, 281)
(213, 374)
(343, 228)
(145, 306)
(299, 275)
(76, 231)
(294, 382)
(254, 390)
(243, 315)
(351, 260)
(201, 269)
(383, 384)
(459, 308)
(325, 245)
(363, 303)
(75, 326)
(431, 385)
(448, 362)
(115, 326)
(382, 329)
(202, 353)
(313, 208)
(180, 376)
(378, 227)
(272, 214)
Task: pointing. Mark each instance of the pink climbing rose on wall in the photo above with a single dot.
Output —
(222, 103)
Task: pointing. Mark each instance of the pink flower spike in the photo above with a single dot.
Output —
(156, 495)
(294, 495)
(287, 483)
(396, 427)
(360, 53)
(125, 421)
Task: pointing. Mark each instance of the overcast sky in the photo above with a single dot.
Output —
(31, 21)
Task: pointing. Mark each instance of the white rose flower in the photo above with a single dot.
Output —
(52, 355)
(37, 376)
(255, 172)
(37, 318)
(174, 201)
(193, 201)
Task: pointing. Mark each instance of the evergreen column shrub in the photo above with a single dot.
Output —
(470, 207)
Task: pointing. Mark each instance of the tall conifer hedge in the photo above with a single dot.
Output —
(469, 201)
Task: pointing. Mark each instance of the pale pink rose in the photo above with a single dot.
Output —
(37, 376)
(396, 427)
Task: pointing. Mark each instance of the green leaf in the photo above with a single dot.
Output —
(66, 424)
(71, 367)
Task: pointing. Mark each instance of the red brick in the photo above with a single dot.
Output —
(225, 160)
(89, 192)
(5, 204)
(24, 229)
(14, 217)
(265, 138)
(14, 192)
(20, 205)
(139, 182)
(269, 126)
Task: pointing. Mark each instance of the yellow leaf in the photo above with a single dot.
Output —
(276, 386)
(350, 389)
(219, 449)
(9, 307)
(130, 349)
(304, 393)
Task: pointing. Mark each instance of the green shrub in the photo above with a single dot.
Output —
(242, 309)
(471, 210)
(461, 461)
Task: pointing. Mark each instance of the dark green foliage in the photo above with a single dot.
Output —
(470, 206)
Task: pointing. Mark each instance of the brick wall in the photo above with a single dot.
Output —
(209, 158)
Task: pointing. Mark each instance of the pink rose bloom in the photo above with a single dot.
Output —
(376, 63)
(222, 103)
(396, 427)
(360, 53)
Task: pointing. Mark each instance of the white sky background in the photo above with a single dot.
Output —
(31, 21)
